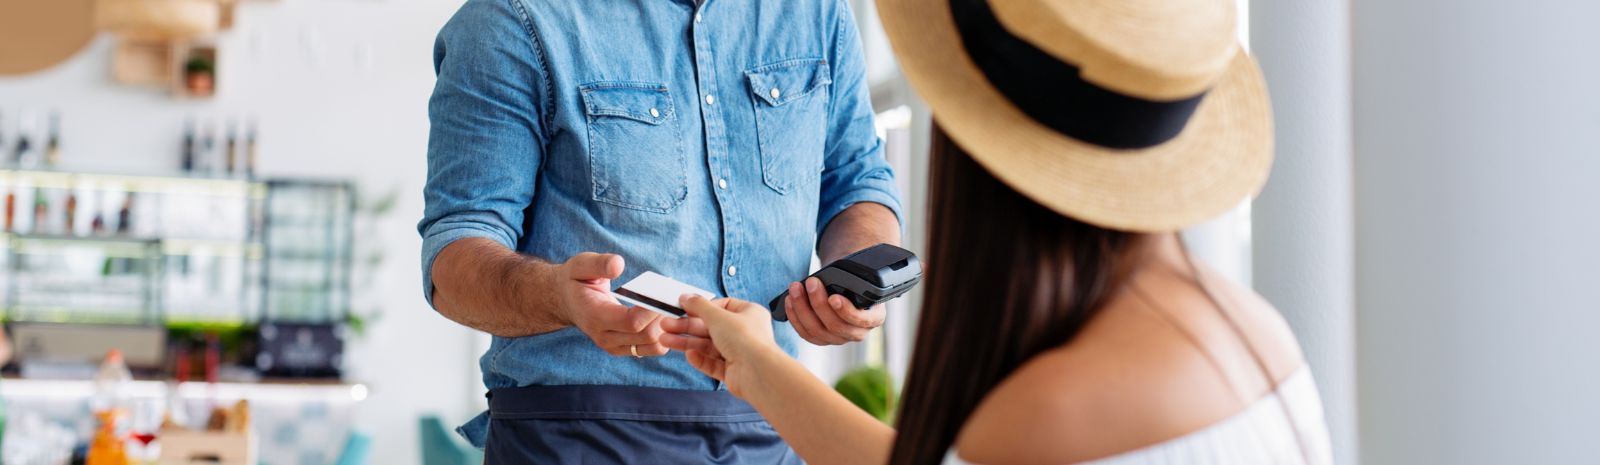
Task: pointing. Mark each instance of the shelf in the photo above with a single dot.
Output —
(252, 250)
(77, 315)
(157, 183)
(171, 247)
(13, 388)
(65, 239)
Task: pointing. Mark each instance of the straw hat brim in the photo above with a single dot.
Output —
(1220, 158)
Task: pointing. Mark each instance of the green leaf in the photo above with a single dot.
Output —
(871, 389)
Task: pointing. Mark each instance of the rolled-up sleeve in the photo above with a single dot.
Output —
(486, 136)
(854, 169)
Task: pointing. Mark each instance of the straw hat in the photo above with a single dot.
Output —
(1140, 115)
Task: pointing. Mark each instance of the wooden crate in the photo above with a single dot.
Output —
(210, 448)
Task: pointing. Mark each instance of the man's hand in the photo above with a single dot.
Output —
(826, 319)
(583, 285)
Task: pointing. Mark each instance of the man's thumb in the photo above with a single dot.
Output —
(588, 265)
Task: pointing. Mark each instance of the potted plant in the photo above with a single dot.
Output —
(199, 75)
(872, 389)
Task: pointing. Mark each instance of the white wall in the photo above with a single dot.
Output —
(341, 89)
(1304, 238)
(1477, 142)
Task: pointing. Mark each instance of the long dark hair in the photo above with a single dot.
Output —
(1007, 279)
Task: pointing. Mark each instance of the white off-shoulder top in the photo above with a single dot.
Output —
(1259, 435)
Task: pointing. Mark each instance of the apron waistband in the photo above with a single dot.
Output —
(618, 403)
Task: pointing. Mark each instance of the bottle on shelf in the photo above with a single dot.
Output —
(41, 210)
(188, 146)
(71, 222)
(206, 159)
(97, 226)
(52, 146)
(11, 209)
(125, 215)
(250, 149)
(24, 145)
(232, 154)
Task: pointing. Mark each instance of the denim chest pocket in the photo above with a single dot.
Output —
(791, 105)
(636, 157)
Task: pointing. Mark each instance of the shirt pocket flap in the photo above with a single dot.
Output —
(642, 102)
(787, 81)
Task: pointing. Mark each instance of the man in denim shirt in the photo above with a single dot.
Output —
(578, 143)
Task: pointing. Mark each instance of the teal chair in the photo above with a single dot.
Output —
(357, 447)
(441, 446)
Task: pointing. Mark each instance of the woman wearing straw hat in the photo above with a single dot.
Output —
(1065, 322)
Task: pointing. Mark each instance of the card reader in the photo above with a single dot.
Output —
(869, 277)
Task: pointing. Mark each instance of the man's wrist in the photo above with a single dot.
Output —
(861, 225)
(532, 287)
(549, 280)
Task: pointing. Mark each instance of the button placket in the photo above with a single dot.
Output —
(716, 149)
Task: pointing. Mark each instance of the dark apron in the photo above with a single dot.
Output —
(627, 425)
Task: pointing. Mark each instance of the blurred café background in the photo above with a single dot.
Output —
(221, 197)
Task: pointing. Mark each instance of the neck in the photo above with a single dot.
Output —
(1165, 252)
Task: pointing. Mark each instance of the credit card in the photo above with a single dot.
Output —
(657, 293)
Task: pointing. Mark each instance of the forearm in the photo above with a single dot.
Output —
(862, 225)
(821, 425)
(483, 285)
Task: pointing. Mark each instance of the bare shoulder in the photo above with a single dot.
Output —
(1132, 378)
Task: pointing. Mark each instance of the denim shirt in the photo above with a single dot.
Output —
(710, 143)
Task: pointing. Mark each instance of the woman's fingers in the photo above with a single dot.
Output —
(712, 366)
(687, 343)
(686, 325)
(698, 306)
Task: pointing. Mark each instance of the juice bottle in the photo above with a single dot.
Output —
(107, 447)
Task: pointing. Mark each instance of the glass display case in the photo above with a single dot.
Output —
(308, 234)
(98, 248)
(199, 256)
(64, 279)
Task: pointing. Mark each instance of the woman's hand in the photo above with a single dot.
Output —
(728, 339)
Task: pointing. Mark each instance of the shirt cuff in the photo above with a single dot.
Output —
(443, 235)
(879, 191)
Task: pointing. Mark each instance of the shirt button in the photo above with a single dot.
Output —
(710, 100)
(697, 18)
(654, 113)
(722, 183)
(733, 271)
(775, 92)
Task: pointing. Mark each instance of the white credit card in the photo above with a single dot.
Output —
(657, 293)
